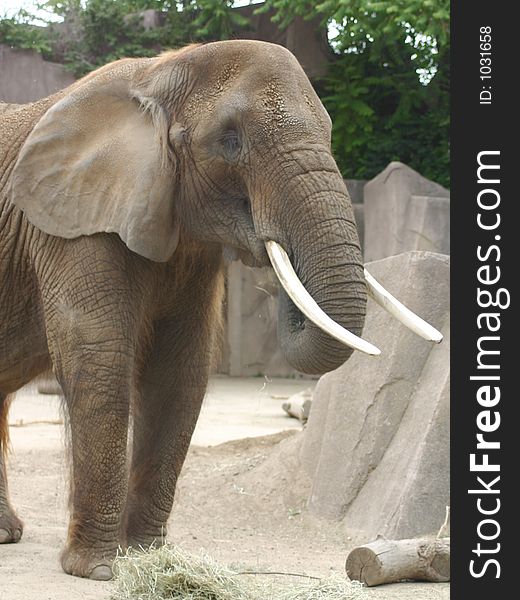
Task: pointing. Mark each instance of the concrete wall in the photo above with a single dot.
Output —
(251, 344)
(25, 76)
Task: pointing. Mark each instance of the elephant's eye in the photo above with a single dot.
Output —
(231, 143)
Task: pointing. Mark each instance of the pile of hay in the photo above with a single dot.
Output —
(171, 573)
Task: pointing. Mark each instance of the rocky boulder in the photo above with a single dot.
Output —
(376, 447)
(404, 211)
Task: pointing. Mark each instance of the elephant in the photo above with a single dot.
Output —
(119, 197)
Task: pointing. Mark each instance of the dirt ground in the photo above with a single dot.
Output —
(228, 502)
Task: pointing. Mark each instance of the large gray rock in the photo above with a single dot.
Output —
(376, 448)
(405, 211)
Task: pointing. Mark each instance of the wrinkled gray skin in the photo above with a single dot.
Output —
(117, 197)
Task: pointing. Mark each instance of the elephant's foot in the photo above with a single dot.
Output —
(11, 528)
(138, 540)
(91, 563)
(143, 531)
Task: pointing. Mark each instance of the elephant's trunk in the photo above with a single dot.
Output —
(315, 226)
(328, 262)
(308, 306)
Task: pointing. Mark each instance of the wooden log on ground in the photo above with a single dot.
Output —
(388, 561)
(299, 405)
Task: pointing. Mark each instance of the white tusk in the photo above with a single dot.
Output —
(400, 312)
(307, 305)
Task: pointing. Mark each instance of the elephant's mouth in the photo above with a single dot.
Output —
(247, 245)
(250, 258)
(304, 306)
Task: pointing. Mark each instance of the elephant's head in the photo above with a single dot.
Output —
(225, 143)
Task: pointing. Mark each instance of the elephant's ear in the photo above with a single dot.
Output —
(96, 162)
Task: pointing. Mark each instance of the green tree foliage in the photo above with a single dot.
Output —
(93, 32)
(215, 20)
(388, 89)
(19, 32)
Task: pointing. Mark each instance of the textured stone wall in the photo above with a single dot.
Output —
(26, 77)
(251, 344)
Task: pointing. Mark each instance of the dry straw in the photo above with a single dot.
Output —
(171, 573)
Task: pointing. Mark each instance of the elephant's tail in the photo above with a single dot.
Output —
(4, 425)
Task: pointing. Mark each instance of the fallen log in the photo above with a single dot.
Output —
(389, 561)
(299, 405)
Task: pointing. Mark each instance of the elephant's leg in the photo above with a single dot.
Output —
(11, 527)
(94, 366)
(172, 389)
